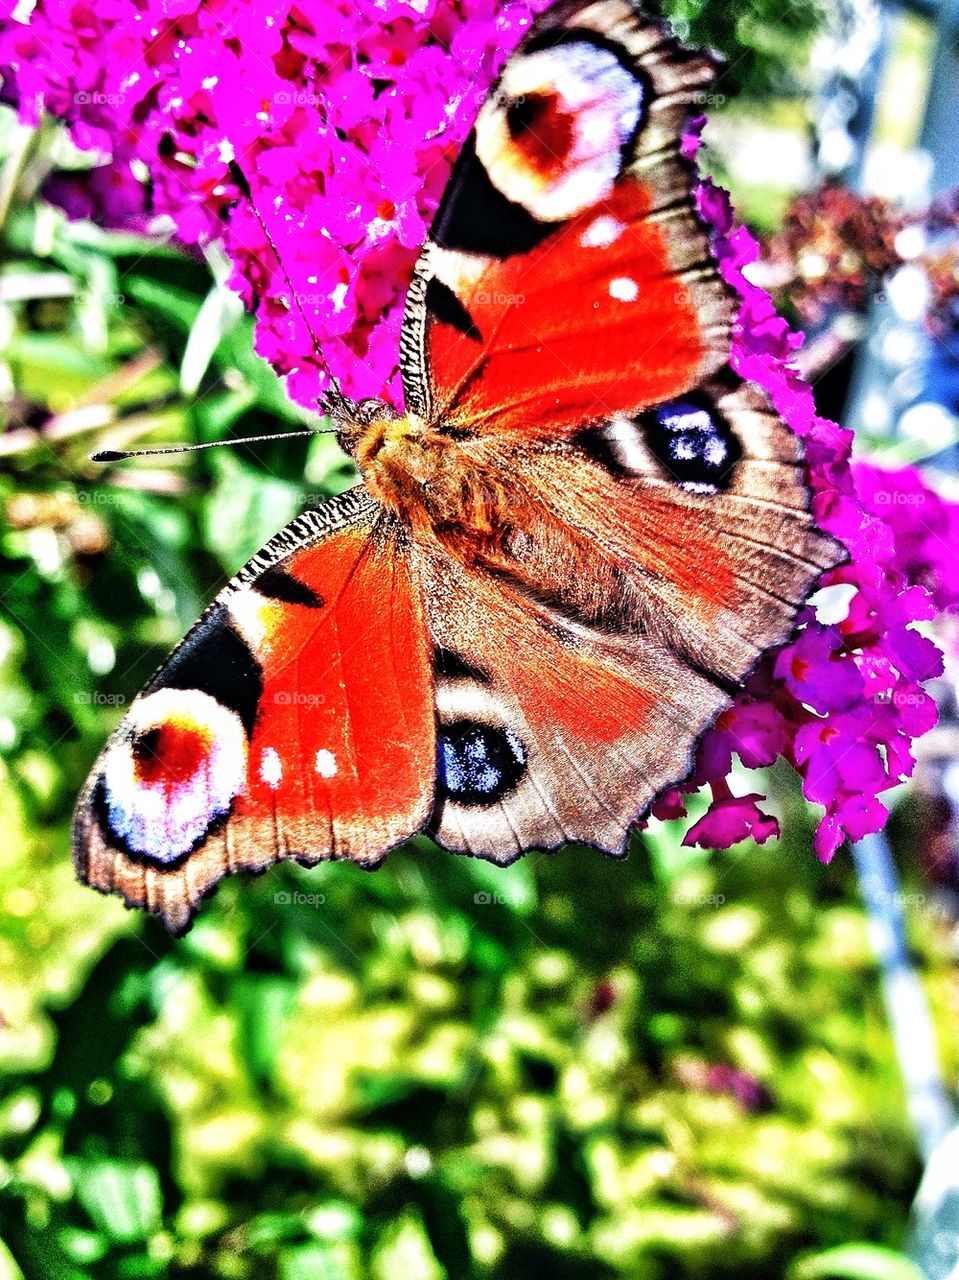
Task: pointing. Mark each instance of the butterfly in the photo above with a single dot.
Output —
(564, 556)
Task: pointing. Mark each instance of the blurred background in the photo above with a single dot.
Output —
(685, 1065)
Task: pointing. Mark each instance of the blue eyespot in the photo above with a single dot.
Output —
(694, 443)
(478, 764)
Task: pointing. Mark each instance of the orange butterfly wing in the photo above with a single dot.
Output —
(589, 289)
(294, 721)
(650, 530)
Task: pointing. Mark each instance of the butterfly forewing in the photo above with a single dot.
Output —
(294, 721)
(567, 276)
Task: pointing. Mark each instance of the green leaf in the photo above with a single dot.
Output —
(855, 1262)
(511, 887)
(404, 1250)
(117, 244)
(319, 1262)
(122, 1197)
(49, 361)
(218, 412)
(84, 1247)
(221, 311)
(236, 352)
(8, 1268)
(176, 306)
(245, 509)
(262, 1003)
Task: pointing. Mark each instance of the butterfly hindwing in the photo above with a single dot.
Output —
(567, 321)
(294, 721)
(551, 730)
(613, 624)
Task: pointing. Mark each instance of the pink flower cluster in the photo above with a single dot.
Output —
(844, 700)
(345, 116)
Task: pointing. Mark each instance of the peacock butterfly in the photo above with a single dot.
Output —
(562, 560)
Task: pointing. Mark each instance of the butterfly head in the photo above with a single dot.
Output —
(398, 455)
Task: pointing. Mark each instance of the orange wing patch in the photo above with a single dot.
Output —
(568, 276)
(590, 323)
(345, 732)
(294, 721)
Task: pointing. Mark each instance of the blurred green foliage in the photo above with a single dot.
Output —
(671, 1067)
(765, 44)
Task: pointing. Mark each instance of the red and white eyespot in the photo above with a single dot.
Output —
(179, 767)
(552, 137)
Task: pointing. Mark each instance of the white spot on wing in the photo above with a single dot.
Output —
(686, 419)
(626, 444)
(325, 763)
(624, 289)
(248, 612)
(602, 232)
(271, 768)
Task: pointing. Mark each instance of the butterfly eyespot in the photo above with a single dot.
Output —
(694, 443)
(479, 763)
(554, 138)
(175, 772)
(543, 127)
(235, 679)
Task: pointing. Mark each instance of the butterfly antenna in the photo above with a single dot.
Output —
(332, 401)
(117, 455)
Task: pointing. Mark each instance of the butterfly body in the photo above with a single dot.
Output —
(567, 550)
(438, 485)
